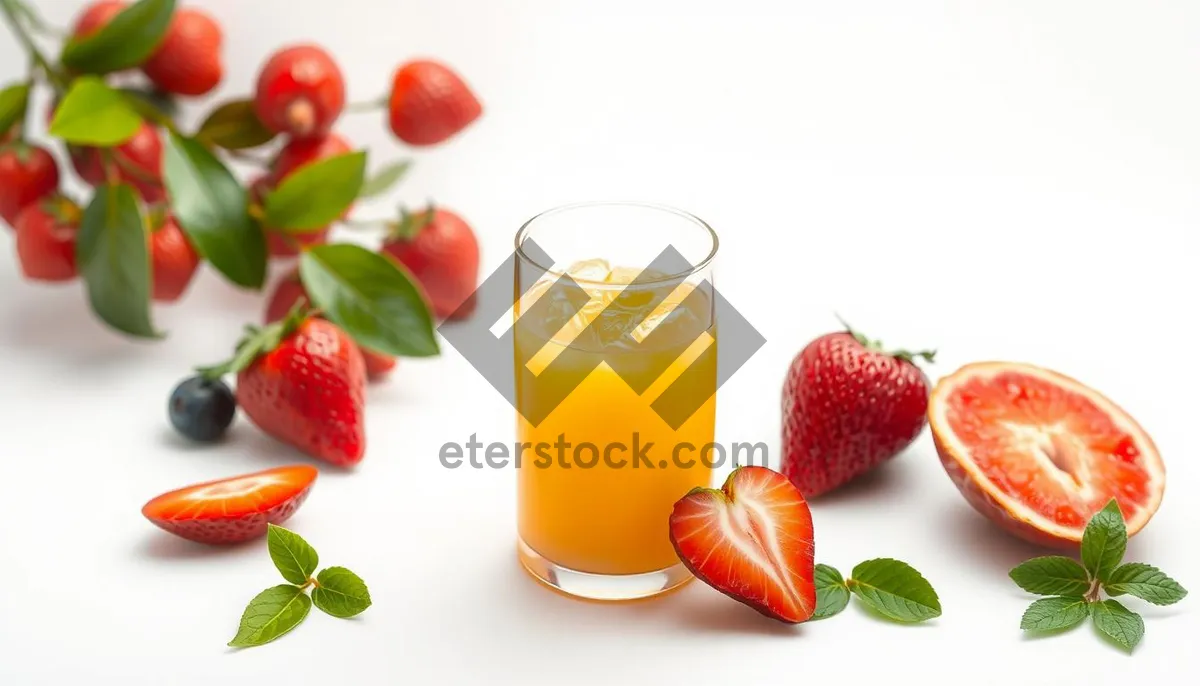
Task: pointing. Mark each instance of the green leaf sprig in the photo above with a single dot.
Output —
(1075, 589)
(891, 588)
(336, 591)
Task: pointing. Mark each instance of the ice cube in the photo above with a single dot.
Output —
(590, 270)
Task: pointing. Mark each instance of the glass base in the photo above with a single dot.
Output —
(603, 587)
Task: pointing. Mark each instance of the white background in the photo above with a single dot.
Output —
(1012, 180)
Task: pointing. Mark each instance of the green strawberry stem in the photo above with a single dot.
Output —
(259, 340)
(877, 346)
(410, 224)
(367, 224)
(368, 106)
(37, 59)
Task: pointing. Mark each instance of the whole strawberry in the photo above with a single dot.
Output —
(27, 173)
(848, 406)
(301, 380)
(300, 92)
(188, 60)
(440, 250)
(138, 162)
(173, 261)
(46, 236)
(289, 292)
(429, 103)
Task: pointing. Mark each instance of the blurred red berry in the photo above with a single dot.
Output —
(137, 161)
(188, 61)
(95, 16)
(46, 233)
(173, 261)
(430, 103)
(300, 92)
(27, 173)
(290, 291)
(442, 254)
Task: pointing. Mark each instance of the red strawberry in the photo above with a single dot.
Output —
(280, 244)
(95, 16)
(290, 291)
(173, 261)
(137, 161)
(308, 390)
(188, 60)
(235, 509)
(300, 92)
(430, 103)
(441, 252)
(752, 540)
(848, 406)
(46, 233)
(27, 173)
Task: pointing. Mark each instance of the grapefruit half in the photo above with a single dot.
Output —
(1039, 453)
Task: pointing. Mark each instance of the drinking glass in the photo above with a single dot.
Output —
(615, 352)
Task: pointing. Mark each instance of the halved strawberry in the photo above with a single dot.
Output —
(751, 540)
(235, 509)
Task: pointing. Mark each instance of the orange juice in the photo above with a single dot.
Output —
(602, 470)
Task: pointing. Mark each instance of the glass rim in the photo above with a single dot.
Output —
(526, 228)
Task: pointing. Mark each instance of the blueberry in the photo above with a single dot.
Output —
(201, 409)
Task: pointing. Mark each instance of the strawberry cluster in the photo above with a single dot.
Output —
(165, 200)
(115, 88)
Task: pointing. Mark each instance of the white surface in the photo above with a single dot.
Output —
(1001, 180)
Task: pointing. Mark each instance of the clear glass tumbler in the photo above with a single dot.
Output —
(616, 377)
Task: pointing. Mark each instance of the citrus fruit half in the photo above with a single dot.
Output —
(1039, 453)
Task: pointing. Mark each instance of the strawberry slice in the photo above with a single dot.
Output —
(235, 509)
(751, 540)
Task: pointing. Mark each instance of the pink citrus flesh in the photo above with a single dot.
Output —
(1039, 453)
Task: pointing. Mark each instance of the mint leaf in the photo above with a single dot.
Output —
(234, 126)
(1055, 614)
(317, 194)
(1112, 619)
(92, 113)
(1145, 582)
(210, 205)
(1104, 541)
(384, 179)
(295, 559)
(113, 255)
(366, 294)
(271, 614)
(895, 590)
(832, 593)
(125, 41)
(1051, 575)
(339, 592)
(13, 100)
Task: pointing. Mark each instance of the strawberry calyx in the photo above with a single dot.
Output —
(156, 217)
(66, 212)
(19, 147)
(878, 347)
(410, 223)
(259, 340)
